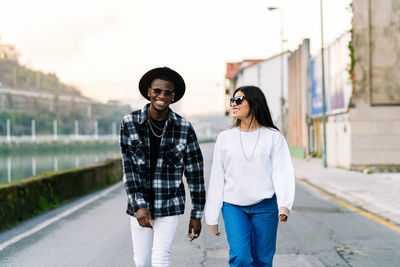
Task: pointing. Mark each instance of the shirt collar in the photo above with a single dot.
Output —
(144, 115)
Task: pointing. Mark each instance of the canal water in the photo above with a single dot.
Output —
(20, 166)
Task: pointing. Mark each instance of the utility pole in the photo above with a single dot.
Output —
(282, 98)
(55, 137)
(96, 130)
(114, 130)
(323, 90)
(76, 129)
(8, 131)
(33, 129)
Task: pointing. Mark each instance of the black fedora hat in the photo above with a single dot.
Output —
(148, 77)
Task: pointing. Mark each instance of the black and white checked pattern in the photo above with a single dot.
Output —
(179, 153)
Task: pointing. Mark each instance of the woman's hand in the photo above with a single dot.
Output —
(282, 218)
(283, 214)
(213, 229)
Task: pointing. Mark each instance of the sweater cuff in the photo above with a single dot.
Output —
(284, 211)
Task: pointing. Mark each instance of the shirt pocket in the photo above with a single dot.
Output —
(138, 154)
(174, 154)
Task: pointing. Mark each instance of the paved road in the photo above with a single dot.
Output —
(319, 233)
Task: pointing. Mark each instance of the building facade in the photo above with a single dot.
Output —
(374, 110)
(271, 76)
(299, 100)
(362, 92)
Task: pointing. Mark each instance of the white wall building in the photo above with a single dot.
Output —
(266, 74)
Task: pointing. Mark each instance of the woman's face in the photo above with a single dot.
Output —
(240, 111)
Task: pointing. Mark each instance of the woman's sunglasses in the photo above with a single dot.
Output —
(237, 99)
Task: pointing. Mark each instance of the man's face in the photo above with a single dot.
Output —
(161, 94)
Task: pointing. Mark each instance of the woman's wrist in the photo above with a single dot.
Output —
(284, 211)
(213, 229)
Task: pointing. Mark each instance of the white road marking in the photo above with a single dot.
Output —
(57, 218)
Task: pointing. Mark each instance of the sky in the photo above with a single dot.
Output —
(103, 47)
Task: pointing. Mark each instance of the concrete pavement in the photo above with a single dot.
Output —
(376, 193)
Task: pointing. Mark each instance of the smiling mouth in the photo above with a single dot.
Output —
(159, 102)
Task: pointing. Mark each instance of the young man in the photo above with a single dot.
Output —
(157, 147)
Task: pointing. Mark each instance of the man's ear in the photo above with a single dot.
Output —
(149, 92)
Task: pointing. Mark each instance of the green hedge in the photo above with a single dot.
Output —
(26, 198)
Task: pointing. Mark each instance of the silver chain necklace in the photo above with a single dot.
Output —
(152, 130)
(254, 149)
(151, 122)
(151, 127)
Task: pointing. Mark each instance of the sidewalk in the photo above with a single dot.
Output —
(376, 193)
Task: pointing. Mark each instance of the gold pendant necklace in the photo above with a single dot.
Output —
(254, 149)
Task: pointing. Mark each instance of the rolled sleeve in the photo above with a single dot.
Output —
(131, 178)
(194, 174)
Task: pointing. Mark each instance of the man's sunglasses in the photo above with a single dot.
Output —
(237, 99)
(166, 93)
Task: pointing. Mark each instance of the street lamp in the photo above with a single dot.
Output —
(323, 90)
(282, 88)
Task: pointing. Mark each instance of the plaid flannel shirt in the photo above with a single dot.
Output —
(179, 153)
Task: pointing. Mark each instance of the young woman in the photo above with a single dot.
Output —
(252, 181)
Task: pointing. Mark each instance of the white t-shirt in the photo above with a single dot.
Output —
(240, 181)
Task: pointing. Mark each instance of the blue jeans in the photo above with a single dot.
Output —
(251, 232)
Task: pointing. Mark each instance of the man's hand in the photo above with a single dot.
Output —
(194, 229)
(143, 216)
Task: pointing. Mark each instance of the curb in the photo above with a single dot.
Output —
(348, 205)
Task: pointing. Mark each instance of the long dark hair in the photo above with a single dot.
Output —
(259, 109)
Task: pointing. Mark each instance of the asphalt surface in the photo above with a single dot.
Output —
(319, 233)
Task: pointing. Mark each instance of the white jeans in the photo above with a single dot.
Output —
(151, 246)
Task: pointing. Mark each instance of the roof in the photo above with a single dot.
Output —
(233, 68)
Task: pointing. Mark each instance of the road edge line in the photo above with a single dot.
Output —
(348, 205)
(57, 217)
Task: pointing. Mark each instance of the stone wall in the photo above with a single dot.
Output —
(376, 29)
(375, 137)
(374, 113)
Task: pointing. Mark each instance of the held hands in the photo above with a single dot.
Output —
(194, 229)
(144, 218)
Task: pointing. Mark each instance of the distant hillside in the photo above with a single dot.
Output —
(16, 76)
(27, 95)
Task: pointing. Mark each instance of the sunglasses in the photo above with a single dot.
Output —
(166, 93)
(237, 99)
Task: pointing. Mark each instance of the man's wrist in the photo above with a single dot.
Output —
(139, 203)
(196, 214)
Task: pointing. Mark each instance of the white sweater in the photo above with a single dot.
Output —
(238, 181)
